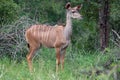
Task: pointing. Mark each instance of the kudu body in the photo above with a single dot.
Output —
(53, 37)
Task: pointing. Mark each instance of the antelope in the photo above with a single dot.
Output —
(57, 37)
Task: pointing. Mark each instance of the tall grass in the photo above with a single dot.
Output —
(79, 65)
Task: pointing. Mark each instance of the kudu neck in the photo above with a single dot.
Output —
(68, 20)
(68, 27)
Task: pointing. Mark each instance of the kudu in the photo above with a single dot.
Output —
(57, 37)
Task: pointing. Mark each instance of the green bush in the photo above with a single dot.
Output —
(9, 11)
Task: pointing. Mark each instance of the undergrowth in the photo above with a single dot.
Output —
(79, 65)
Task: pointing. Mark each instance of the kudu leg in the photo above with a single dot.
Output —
(62, 58)
(29, 58)
(62, 53)
(57, 58)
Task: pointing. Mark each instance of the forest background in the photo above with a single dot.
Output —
(90, 61)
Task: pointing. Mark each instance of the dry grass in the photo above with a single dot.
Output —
(12, 41)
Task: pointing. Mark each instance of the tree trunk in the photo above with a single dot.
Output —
(103, 23)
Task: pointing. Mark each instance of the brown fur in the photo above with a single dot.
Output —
(49, 36)
(53, 36)
(57, 37)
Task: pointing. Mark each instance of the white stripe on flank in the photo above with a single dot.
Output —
(34, 32)
(31, 30)
(38, 32)
(47, 34)
(42, 32)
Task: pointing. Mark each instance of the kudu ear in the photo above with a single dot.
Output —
(68, 5)
(78, 7)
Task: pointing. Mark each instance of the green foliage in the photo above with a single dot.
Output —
(82, 59)
(85, 35)
(9, 11)
(114, 15)
(114, 11)
(90, 10)
(85, 31)
(77, 67)
(44, 11)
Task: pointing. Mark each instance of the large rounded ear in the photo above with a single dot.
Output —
(68, 5)
(79, 7)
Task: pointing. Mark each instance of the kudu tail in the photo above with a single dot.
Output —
(28, 45)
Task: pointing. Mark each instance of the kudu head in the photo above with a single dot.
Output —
(73, 12)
